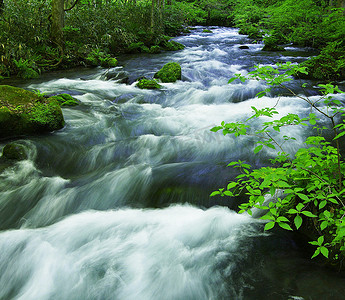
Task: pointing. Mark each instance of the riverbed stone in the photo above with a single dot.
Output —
(23, 112)
(169, 73)
(14, 151)
(243, 47)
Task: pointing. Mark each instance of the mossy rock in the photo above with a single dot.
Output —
(149, 84)
(169, 73)
(109, 62)
(65, 100)
(207, 31)
(173, 46)
(23, 112)
(14, 151)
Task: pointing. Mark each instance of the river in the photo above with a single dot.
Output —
(116, 204)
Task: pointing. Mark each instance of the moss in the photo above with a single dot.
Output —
(14, 151)
(207, 31)
(23, 112)
(65, 100)
(173, 46)
(148, 84)
(155, 49)
(109, 62)
(169, 73)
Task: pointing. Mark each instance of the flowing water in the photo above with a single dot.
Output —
(116, 205)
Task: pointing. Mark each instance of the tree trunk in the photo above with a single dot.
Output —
(152, 27)
(57, 22)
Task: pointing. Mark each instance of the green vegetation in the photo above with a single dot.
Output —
(149, 84)
(65, 100)
(308, 188)
(169, 73)
(23, 112)
(37, 36)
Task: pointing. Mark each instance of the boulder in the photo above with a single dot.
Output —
(149, 84)
(169, 73)
(243, 47)
(14, 151)
(116, 75)
(23, 112)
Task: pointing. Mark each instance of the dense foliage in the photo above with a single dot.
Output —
(307, 188)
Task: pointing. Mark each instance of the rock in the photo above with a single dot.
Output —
(116, 75)
(173, 46)
(65, 100)
(23, 112)
(14, 151)
(243, 47)
(149, 84)
(169, 73)
(207, 31)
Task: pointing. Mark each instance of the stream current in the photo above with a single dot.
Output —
(116, 204)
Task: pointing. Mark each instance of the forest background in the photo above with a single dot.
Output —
(41, 35)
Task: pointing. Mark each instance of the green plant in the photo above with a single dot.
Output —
(25, 68)
(308, 188)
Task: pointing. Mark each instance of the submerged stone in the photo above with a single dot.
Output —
(23, 112)
(207, 31)
(169, 73)
(14, 151)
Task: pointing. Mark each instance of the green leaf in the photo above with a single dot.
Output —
(324, 251)
(282, 219)
(269, 225)
(339, 135)
(303, 197)
(283, 184)
(292, 211)
(298, 221)
(215, 193)
(320, 240)
(232, 79)
(322, 204)
(308, 214)
(258, 148)
(316, 253)
(284, 226)
(232, 185)
(323, 225)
